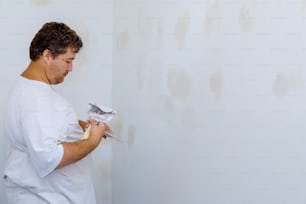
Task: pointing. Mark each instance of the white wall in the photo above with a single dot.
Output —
(210, 94)
(212, 102)
(91, 77)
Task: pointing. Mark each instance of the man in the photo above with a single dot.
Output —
(48, 162)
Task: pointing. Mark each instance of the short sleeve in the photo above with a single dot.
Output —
(40, 127)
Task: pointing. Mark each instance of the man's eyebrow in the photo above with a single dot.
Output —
(69, 58)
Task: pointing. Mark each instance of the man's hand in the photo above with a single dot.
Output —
(98, 128)
(74, 151)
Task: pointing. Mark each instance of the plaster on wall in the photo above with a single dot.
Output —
(123, 39)
(181, 30)
(160, 34)
(213, 19)
(179, 83)
(246, 18)
(217, 83)
(131, 135)
(41, 2)
(287, 82)
(228, 107)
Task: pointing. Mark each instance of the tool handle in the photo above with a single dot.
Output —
(86, 134)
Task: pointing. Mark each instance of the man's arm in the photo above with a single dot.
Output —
(74, 151)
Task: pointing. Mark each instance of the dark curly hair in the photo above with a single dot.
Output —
(56, 37)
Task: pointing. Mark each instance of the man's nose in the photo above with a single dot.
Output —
(70, 67)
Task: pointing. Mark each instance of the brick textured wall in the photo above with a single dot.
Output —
(213, 107)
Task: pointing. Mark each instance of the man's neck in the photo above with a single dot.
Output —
(35, 71)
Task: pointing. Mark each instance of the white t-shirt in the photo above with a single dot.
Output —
(38, 119)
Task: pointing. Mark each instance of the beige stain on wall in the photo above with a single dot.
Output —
(160, 34)
(117, 125)
(303, 5)
(160, 103)
(287, 82)
(181, 30)
(216, 83)
(41, 2)
(123, 39)
(213, 19)
(131, 135)
(246, 18)
(179, 83)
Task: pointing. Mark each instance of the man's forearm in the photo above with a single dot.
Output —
(75, 151)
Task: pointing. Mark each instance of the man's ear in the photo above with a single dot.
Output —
(47, 55)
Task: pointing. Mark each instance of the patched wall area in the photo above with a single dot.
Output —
(211, 102)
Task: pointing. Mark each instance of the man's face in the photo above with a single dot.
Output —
(59, 67)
